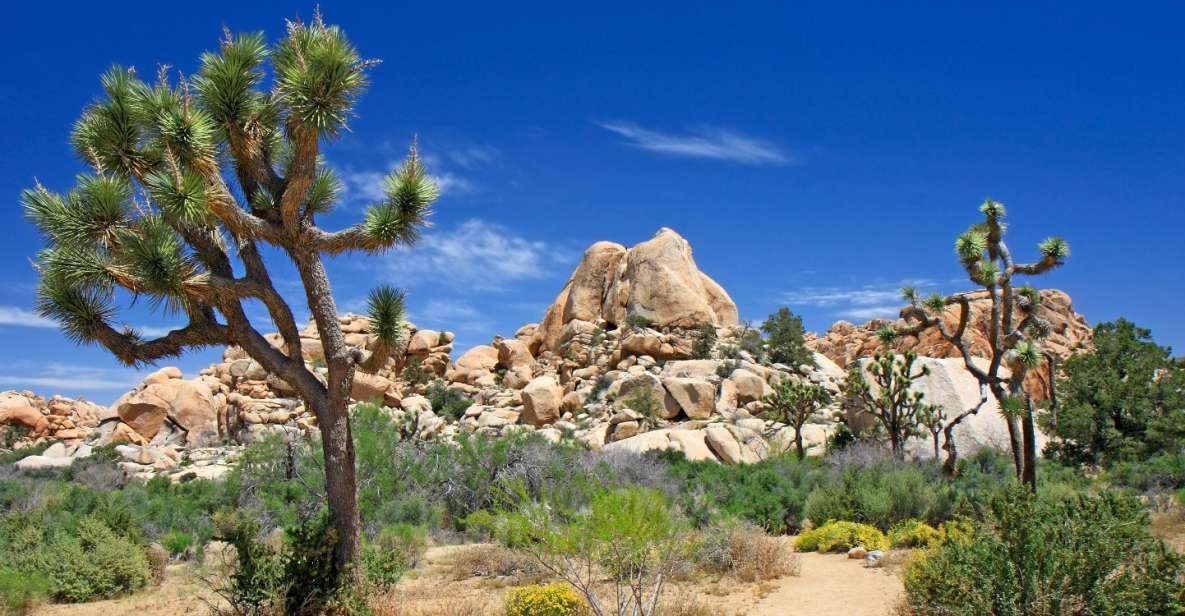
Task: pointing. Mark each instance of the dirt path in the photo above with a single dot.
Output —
(832, 584)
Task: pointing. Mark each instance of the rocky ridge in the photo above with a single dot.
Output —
(612, 363)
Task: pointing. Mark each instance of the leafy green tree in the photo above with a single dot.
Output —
(786, 339)
(890, 397)
(705, 341)
(795, 403)
(1124, 401)
(1013, 344)
(158, 217)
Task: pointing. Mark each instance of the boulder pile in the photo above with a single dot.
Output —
(639, 351)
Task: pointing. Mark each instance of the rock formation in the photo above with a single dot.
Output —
(1069, 333)
(611, 364)
(657, 280)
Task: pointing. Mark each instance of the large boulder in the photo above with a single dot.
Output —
(187, 403)
(542, 398)
(19, 410)
(656, 279)
(627, 390)
(697, 398)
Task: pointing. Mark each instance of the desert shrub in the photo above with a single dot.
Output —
(629, 535)
(752, 343)
(1040, 557)
(555, 599)
(601, 384)
(727, 367)
(913, 534)
(841, 536)
(390, 554)
(705, 341)
(414, 372)
(730, 352)
(447, 401)
(158, 560)
(83, 563)
(1162, 471)
(883, 494)
(176, 542)
(637, 321)
(255, 584)
(770, 493)
(493, 560)
(745, 551)
(21, 592)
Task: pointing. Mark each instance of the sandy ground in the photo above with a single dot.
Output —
(832, 584)
(828, 584)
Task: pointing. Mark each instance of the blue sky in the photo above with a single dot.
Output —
(815, 157)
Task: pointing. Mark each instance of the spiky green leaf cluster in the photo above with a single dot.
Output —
(108, 135)
(1054, 248)
(887, 335)
(152, 259)
(1012, 406)
(909, 294)
(324, 192)
(181, 197)
(227, 81)
(92, 213)
(319, 76)
(410, 192)
(935, 302)
(992, 209)
(387, 312)
(987, 273)
(970, 246)
(1026, 355)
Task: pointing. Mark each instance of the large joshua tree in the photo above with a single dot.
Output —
(158, 217)
(1013, 343)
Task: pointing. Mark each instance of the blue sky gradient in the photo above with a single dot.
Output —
(814, 157)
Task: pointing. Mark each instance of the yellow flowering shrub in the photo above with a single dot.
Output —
(838, 536)
(555, 599)
(914, 534)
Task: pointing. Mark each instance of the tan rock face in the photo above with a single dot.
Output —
(845, 342)
(190, 404)
(542, 398)
(696, 398)
(657, 279)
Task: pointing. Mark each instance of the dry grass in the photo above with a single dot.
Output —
(495, 561)
(757, 556)
(1170, 526)
(685, 604)
(398, 604)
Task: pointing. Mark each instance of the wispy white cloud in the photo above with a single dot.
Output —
(20, 317)
(475, 255)
(453, 315)
(872, 301)
(68, 378)
(474, 156)
(705, 142)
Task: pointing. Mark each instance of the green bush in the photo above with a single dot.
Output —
(21, 592)
(414, 372)
(1041, 557)
(770, 493)
(637, 321)
(176, 542)
(840, 536)
(395, 550)
(447, 401)
(83, 563)
(913, 534)
(883, 495)
(601, 384)
(705, 341)
(555, 599)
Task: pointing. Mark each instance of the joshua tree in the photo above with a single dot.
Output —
(795, 403)
(157, 217)
(932, 418)
(1012, 343)
(890, 398)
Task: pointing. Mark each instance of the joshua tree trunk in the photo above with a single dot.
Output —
(798, 442)
(337, 444)
(1029, 475)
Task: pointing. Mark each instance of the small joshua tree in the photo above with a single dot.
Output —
(795, 403)
(157, 217)
(890, 397)
(1012, 343)
(933, 419)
